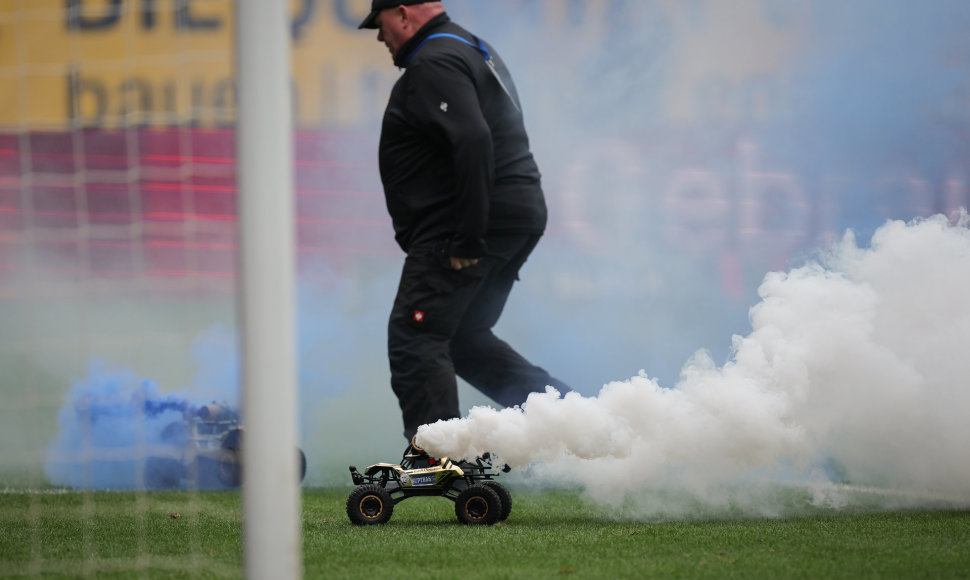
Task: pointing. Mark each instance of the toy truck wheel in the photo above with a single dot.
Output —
(478, 505)
(162, 473)
(504, 496)
(230, 473)
(369, 505)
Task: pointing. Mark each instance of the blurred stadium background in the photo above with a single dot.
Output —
(688, 147)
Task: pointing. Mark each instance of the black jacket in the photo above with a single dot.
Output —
(454, 154)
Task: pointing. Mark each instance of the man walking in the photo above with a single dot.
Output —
(465, 198)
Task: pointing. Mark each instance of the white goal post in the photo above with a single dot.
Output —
(271, 499)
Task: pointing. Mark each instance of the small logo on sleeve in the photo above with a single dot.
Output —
(418, 316)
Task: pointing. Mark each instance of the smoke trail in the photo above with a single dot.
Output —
(117, 430)
(854, 370)
(114, 422)
(110, 423)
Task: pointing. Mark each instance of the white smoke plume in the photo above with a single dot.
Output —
(855, 370)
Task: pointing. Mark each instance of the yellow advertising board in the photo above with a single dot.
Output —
(111, 63)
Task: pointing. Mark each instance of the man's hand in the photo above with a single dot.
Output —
(459, 263)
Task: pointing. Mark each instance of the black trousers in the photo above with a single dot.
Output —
(441, 325)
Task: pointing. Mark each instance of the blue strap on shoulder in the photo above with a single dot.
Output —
(480, 47)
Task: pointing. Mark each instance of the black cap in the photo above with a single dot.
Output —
(377, 5)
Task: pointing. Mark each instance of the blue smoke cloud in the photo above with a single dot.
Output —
(114, 422)
(110, 421)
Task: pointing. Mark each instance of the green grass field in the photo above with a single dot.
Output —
(550, 534)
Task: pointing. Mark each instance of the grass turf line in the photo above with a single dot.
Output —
(550, 534)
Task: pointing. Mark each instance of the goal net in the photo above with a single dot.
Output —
(119, 261)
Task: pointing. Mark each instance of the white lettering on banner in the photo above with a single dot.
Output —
(696, 211)
(605, 186)
(770, 204)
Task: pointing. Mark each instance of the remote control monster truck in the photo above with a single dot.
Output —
(479, 499)
(203, 450)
